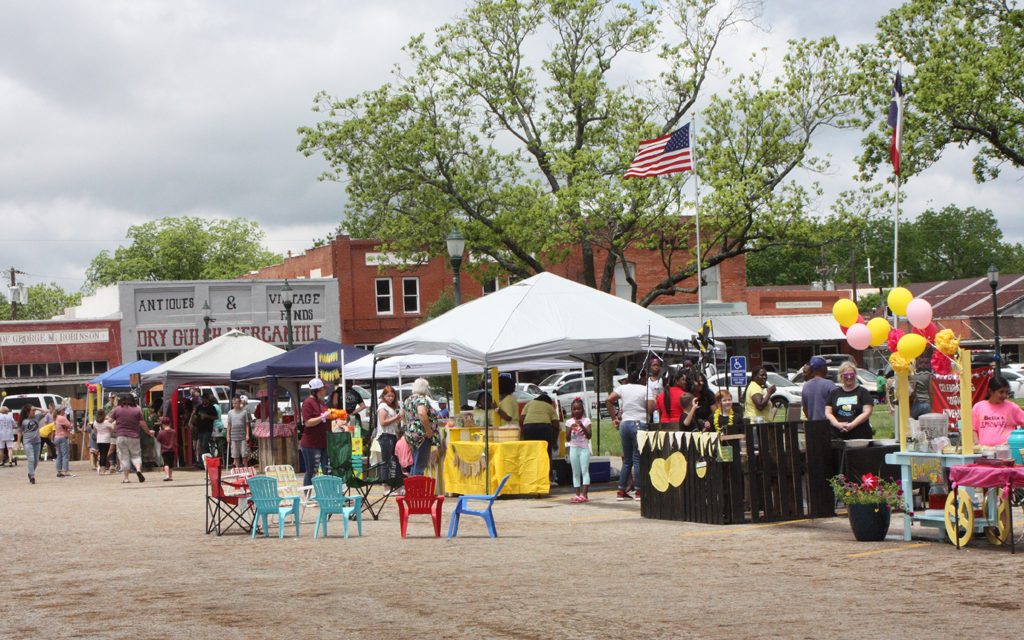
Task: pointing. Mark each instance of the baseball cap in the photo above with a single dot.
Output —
(316, 383)
(817, 362)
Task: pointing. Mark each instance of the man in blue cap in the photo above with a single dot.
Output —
(814, 395)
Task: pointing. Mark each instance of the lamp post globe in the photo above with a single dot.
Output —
(286, 300)
(206, 321)
(456, 246)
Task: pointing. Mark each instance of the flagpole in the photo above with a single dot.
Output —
(696, 212)
(896, 238)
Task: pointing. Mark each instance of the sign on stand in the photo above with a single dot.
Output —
(737, 371)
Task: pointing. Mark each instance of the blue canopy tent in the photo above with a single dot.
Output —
(297, 365)
(119, 378)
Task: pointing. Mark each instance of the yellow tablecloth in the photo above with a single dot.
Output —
(526, 460)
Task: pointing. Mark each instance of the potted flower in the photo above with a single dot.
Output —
(868, 504)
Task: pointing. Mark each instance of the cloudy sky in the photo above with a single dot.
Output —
(113, 113)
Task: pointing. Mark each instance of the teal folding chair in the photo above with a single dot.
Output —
(267, 503)
(330, 496)
(462, 508)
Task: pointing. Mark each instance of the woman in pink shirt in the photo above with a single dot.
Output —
(995, 418)
(62, 440)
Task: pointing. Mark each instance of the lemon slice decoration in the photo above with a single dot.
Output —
(676, 468)
(659, 474)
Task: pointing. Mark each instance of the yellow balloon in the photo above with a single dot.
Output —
(845, 312)
(879, 328)
(898, 300)
(911, 346)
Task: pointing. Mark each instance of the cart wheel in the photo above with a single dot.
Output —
(966, 518)
(1000, 533)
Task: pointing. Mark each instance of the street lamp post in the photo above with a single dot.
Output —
(456, 245)
(206, 321)
(993, 281)
(286, 300)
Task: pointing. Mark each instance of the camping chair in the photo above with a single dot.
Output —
(236, 480)
(330, 495)
(268, 502)
(339, 453)
(419, 498)
(225, 502)
(462, 507)
(289, 486)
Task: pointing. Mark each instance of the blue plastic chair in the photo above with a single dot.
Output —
(462, 507)
(268, 502)
(330, 496)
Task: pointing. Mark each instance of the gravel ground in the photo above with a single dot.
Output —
(88, 557)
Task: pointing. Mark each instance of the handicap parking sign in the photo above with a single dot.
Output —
(737, 371)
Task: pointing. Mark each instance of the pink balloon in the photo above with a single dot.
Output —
(919, 313)
(860, 319)
(859, 337)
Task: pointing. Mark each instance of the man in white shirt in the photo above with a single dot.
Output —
(655, 385)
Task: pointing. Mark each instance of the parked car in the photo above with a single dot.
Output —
(567, 392)
(865, 378)
(17, 402)
(555, 380)
(786, 391)
(1016, 381)
(529, 388)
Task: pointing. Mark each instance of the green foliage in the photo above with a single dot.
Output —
(867, 304)
(45, 301)
(870, 490)
(944, 244)
(183, 248)
(445, 302)
(961, 79)
(525, 156)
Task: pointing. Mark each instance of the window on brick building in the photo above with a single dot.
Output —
(495, 284)
(383, 291)
(712, 291)
(411, 295)
(622, 287)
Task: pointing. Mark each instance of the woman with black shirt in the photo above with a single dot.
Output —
(849, 407)
(704, 401)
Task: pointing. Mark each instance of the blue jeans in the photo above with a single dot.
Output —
(32, 448)
(630, 452)
(311, 459)
(63, 455)
(420, 458)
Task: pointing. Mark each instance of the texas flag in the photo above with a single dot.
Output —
(896, 122)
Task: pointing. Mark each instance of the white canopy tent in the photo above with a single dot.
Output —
(545, 316)
(211, 361)
(435, 365)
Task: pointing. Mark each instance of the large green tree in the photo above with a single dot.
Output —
(514, 125)
(45, 301)
(962, 62)
(940, 244)
(183, 248)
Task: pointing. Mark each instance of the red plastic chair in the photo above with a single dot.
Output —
(419, 498)
(224, 508)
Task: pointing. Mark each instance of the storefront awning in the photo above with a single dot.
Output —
(731, 327)
(803, 328)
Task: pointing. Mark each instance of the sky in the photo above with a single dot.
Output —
(118, 112)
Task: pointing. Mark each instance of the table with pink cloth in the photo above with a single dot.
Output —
(982, 476)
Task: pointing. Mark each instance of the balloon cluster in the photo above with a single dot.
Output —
(905, 347)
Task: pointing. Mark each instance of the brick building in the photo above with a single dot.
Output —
(379, 297)
(57, 355)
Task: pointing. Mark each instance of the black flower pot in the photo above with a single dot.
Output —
(870, 522)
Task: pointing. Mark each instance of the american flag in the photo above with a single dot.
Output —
(671, 153)
(896, 122)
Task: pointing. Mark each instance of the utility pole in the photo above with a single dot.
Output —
(14, 291)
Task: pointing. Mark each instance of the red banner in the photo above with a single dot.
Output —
(946, 393)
